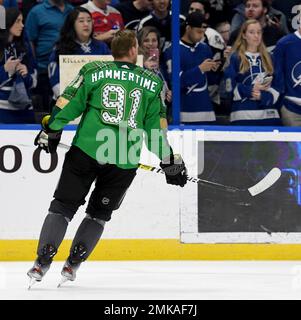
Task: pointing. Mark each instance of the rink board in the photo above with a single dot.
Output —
(155, 222)
(157, 249)
(241, 159)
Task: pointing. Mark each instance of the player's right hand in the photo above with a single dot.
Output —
(175, 170)
(208, 65)
(48, 139)
(41, 140)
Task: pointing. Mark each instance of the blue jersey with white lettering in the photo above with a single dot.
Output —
(196, 105)
(287, 61)
(245, 110)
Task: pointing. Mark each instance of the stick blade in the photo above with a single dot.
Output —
(266, 182)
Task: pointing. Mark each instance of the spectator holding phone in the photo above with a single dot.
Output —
(149, 47)
(213, 39)
(17, 72)
(253, 10)
(149, 42)
(260, 10)
(248, 76)
(197, 73)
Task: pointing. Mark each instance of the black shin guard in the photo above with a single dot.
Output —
(52, 235)
(85, 240)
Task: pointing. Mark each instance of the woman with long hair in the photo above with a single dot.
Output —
(248, 77)
(75, 38)
(149, 42)
(17, 71)
(149, 46)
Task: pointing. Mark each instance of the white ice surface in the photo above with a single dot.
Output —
(147, 280)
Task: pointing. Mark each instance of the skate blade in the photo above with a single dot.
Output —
(32, 282)
(63, 280)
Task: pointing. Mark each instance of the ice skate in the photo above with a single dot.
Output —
(68, 272)
(37, 272)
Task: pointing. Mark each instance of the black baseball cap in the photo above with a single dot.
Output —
(195, 20)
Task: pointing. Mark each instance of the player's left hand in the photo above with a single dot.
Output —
(175, 170)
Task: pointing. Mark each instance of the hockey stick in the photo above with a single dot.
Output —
(258, 188)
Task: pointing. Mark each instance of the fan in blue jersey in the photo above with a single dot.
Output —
(75, 38)
(196, 64)
(248, 78)
(211, 37)
(287, 61)
(17, 71)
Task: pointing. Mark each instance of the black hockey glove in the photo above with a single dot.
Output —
(48, 139)
(175, 170)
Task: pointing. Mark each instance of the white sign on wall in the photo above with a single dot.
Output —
(71, 64)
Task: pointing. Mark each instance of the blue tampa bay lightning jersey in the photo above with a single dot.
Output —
(245, 110)
(287, 61)
(8, 81)
(196, 105)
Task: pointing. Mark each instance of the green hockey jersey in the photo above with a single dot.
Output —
(120, 106)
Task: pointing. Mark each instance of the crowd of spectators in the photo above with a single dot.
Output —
(240, 60)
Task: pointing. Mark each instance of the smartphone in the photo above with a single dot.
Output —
(267, 80)
(21, 56)
(154, 54)
(217, 57)
(275, 17)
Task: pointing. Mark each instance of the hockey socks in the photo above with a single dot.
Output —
(52, 235)
(86, 238)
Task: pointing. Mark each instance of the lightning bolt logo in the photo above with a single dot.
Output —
(298, 82)
(296, 78)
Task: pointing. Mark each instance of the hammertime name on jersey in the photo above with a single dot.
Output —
(126, 76)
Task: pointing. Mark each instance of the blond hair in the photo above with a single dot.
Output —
(240, 47)
(122, 42)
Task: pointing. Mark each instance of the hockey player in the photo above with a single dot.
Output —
(248, 78)
(113, 98)
(287, 61)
